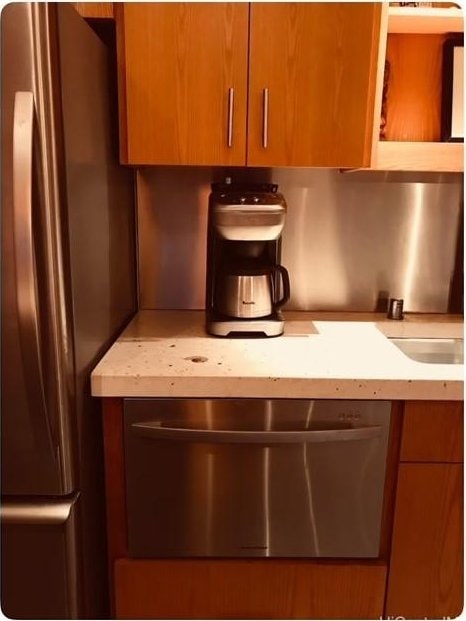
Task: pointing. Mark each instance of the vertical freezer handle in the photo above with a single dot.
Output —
(23, 243)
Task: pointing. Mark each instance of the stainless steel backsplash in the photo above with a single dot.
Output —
(351, 240)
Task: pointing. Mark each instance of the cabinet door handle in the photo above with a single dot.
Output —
(265, 118)
(154, 430)
(231, 100)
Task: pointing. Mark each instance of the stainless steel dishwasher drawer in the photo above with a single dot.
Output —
(255, 477)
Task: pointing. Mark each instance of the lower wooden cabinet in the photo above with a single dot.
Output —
(426, 563)
(426, 566)
(248, 589)
(433, 432)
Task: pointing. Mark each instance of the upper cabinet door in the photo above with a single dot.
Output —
(182, 82)
(312, 81)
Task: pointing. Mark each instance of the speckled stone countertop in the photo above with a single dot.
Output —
(321, 355)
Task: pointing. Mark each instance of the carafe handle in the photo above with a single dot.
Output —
(286, 285)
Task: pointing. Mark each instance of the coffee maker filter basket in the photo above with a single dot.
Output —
(249, 222)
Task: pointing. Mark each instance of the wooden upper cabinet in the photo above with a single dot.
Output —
(316, 63)
(177, 63)
(260, 84)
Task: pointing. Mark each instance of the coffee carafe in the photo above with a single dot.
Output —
(248, 291)
(246, 285)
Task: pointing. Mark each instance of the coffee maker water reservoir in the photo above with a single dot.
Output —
(246, 285)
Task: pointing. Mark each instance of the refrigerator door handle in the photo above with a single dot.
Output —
(26, 285)
(155, 431)
(37, 513)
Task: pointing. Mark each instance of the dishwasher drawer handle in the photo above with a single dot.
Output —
(155, 431)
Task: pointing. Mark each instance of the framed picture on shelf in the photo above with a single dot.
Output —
(452, 91)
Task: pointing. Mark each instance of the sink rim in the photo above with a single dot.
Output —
(431, 350)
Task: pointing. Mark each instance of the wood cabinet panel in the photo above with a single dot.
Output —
(248, 589)
(177, 62)
(433, 431)
(415, 87)
(318, 62)
(426, 567)
(115, 489)
(94, 9)
(419, 156)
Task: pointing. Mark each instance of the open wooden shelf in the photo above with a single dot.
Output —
(413, 113)
(421, 20)
(420, 156)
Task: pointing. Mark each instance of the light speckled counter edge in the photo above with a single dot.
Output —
(283, 388)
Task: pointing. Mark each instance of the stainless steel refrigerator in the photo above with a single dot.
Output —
(68, 287)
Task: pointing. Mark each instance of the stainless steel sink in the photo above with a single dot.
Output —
(433, 351)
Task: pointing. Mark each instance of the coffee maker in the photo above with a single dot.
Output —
(246, 285)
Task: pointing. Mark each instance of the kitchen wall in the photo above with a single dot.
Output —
(350, 241)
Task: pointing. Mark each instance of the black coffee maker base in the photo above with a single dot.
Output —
(261, 327)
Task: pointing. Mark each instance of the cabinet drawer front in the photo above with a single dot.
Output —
(433, 431)
(248, 590)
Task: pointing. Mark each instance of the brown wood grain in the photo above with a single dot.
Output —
(248, 589)
(319, 62)
(415, 87)
(430, 156)
(379, 82)
(94, 9)
(179, 60)
(121, 78)
(433, 431)
(115, 488)
(391, 475)
(426, 567)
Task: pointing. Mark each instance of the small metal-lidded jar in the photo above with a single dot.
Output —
(395, 308)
